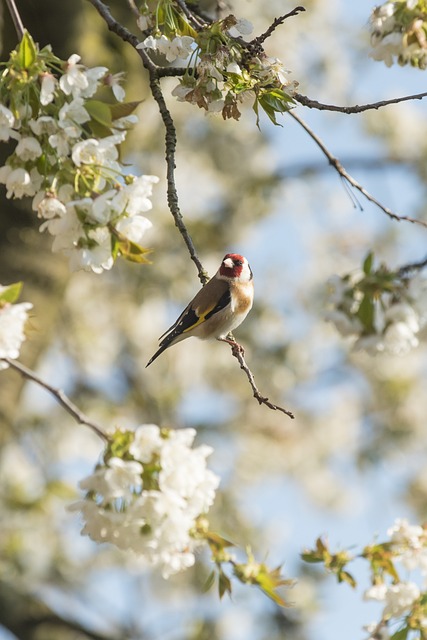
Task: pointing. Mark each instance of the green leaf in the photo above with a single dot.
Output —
(123, 109)
(224, 584)
(183, 28)
(11, 293)
(345, 576)
(401, 634)
(27, 51)
(209, 582)
(366, 313)
(101, 120)
(368, 262)
(122, 246)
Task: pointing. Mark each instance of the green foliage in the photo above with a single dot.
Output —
(10, 293)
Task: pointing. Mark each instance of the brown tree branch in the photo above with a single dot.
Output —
(60, 396)
(259, 40)
(238, 352)
(413, 266)
(314, 104)
(336, 164)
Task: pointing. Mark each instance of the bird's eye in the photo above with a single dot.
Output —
(238, 263)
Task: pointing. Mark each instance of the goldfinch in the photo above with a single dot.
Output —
(219, 307)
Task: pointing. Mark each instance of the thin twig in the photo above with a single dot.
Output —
(16, 18)
(336, 164)
(192, 17)
(314, 104)
(276, 23)
(60, 396)
(413, 266)
(237, 352)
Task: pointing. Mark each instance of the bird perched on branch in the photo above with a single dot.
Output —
(219, 307)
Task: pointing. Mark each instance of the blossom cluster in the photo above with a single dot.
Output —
(399, 33)
(67, 157)
(222, 69)
(403, 602)
(148, 494)
(13, 318)
(381, 310)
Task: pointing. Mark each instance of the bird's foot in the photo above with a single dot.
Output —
(236, 348)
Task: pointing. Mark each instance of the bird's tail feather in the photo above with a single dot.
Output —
(164, 344)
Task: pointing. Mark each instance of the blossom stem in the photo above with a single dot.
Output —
(16, 18)
(60, 396)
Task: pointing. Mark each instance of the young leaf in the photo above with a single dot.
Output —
(27, 51)
(122, 246)
(366, 313)
(123, 109)
(224, 584)
(101, 119)
(402, 634)
(11, 293)
(368, 262)
(209, 582)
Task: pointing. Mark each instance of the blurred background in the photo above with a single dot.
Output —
(353, 459)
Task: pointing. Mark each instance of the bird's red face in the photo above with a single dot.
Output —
(233, 265)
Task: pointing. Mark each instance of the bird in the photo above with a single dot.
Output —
(218, 308)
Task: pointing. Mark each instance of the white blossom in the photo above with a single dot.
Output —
(28, 148)
(179, 47)
(399, 339)
(93, 76)
(18, 182)
(154, 518)
(242, 28)
(43, 125)
(74, 80)
(7, 123)
(12, 323)
(51, 207)
(399, 598)
(134, 228)
(48, 87)
(96, 256)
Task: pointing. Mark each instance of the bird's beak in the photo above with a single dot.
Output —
(228, 263)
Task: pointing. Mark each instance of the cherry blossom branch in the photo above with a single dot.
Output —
(170, 132)
(336, 164)
(314, 104)
(16, 18)
(60, 396)
(170, 145)
(238, 352)
(259, 40)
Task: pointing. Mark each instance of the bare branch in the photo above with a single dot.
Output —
(172, 194)
(238, 352)
(336, 164)
(413, 266)
(192, 17)
(60, 396)
(276, 23)
(313, 104)
(16, 18)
